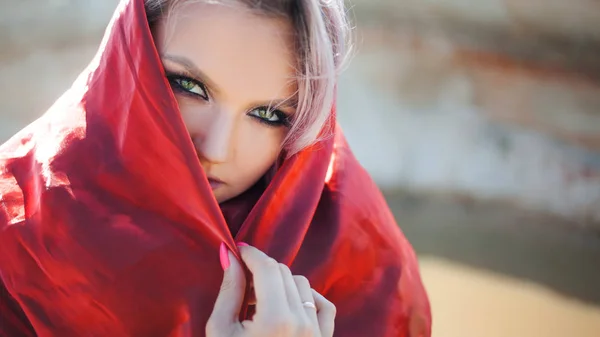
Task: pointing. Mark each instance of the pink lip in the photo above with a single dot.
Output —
(215, 183)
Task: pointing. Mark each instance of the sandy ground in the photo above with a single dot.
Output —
(468, 302)
(493, 270)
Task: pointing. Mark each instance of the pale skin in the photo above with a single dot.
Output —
(233, 76)
(226, 67)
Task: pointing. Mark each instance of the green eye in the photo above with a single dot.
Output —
(267, 114)
(187, 85)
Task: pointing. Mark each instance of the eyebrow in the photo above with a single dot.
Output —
(192, 69)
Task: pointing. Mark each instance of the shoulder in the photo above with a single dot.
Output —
(357, 195)
(368, 232)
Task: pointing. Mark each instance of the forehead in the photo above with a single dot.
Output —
(245, 54)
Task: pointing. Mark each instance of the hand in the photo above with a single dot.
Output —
(283, 301)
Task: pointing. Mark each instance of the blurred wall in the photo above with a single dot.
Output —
(44, 45)
(494, 99)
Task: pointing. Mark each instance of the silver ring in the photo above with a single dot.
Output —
(309, 305)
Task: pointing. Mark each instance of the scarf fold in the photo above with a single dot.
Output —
(108, 226)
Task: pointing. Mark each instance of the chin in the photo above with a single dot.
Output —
(220, 196)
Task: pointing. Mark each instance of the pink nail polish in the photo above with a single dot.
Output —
(224, 256)
(242, 244)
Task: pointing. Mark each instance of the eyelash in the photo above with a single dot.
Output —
(176, 86)
(174, 79)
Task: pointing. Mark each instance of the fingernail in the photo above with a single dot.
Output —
(224, 256)
(242, 244)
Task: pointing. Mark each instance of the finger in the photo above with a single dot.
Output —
(306, 296)
(291, 291)
(225, 315)
(268, 283)
(325, 313)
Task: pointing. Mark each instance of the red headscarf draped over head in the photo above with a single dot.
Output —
(108, 226)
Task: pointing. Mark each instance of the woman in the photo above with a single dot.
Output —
(200, 125)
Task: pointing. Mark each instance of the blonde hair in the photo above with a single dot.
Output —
(322, 42)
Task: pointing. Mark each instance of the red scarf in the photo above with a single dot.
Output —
(108, 226)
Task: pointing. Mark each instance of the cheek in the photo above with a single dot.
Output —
(257, 147)
(194, 118)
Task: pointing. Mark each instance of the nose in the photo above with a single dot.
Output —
(215, 141)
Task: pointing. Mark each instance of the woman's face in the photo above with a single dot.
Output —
(227, 67)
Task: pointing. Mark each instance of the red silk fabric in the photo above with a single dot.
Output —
(108, 226)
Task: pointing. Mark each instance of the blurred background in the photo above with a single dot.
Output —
(480, 120)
